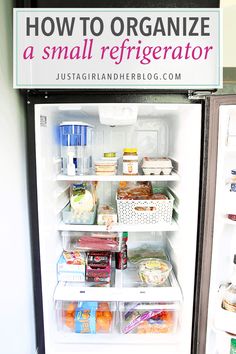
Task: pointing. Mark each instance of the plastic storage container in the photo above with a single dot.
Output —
(82, 218)
(76, 139)
(154, 271)
(87, 241)
(156, 166)
(85, 317)
(148, 317)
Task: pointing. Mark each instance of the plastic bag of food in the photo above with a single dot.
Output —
(145, 251)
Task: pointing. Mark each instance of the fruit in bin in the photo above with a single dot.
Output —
(70, 315)
(103, 318)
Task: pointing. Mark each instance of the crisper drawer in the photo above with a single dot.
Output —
(85, 317)
(148, 317)
(120, 318)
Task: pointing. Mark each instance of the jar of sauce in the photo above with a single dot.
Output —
(233, 181)
(130, 162)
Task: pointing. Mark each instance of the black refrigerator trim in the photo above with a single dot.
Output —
(209, 175)
(118, 3)
(80, 96)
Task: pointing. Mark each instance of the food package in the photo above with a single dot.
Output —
(88, 241)
(156, 166)
(146, 318)
(71, 266)
(106, 167)
(88, 317)
(106, 215)
(85, 317)
(103, 318)
(138, 191)
(98, 266)
(134, 190)
(144, 251)
(97, 243)
(82, 197)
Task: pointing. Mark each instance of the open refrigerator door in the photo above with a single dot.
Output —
(221, 328)
(117, 212)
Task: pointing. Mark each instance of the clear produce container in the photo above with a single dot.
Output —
(88, 241)
(82, 218)
(76, 139)
(85, 317)
(148, 318)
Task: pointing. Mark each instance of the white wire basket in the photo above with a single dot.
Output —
(146, 211)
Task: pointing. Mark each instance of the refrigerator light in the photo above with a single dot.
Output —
(70, 107)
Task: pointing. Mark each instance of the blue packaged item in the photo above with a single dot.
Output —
(85, 317)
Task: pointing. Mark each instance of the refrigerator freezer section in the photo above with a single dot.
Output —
(221, 323)
(83, 276)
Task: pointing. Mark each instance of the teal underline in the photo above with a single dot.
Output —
(123, 85)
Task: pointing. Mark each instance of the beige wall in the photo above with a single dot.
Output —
(229, 32)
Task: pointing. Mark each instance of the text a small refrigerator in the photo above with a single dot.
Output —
(168, 318)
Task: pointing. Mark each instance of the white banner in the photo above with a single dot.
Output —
(117, 48)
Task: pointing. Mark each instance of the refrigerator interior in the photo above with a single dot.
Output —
(172, 130)
(221, 323)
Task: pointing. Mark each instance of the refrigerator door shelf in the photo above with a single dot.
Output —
(120, 227)
(230, 203)
(126, 289)
(223, 341)
(224, 320)
(116, 178)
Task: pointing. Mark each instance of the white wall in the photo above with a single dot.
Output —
(16, 297)
(229, 32)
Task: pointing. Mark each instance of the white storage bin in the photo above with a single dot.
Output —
(85, 317)
(148, 318)
(146, 211)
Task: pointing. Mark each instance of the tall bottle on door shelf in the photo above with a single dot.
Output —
(233, 346)
(229, 297)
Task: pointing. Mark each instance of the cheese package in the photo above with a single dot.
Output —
(106, 215)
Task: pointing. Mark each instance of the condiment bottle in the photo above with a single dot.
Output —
(130, 162)
(233, 181)
(121, 257)
(229, 298)
(233, 346)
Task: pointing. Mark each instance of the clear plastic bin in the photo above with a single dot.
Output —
(88, 241)
(83, 218)
(148, 317)
(87, 317)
